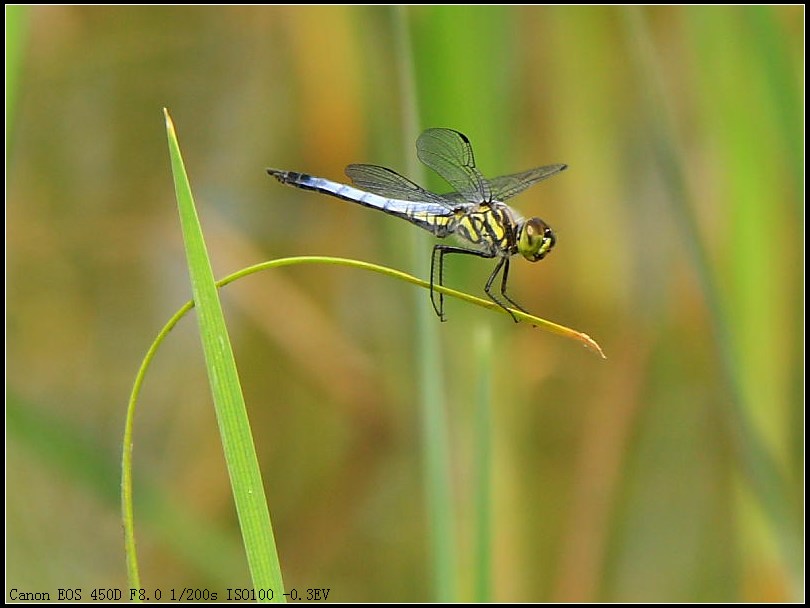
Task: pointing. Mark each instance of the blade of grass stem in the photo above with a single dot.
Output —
(482, 440)
(237, 440)
(435, 436)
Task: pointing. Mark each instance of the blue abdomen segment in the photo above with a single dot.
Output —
(430, 216)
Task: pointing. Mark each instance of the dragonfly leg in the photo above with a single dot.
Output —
(504, 278)
(439, 251)
(502, 265)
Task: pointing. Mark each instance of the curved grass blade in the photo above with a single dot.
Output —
(549, 326)
(126, 484)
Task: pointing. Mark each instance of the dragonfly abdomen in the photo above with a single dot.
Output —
(326, 186)
(433, 217)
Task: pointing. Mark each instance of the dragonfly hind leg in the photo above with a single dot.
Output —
(439, 251)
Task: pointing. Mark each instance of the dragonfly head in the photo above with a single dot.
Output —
(535, 239)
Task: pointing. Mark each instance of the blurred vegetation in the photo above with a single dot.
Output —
(671, 472)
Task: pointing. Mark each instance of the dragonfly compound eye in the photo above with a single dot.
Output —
(536, 239)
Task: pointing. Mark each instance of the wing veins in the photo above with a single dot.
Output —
(506, 186)
(449, 153)
(388, 183)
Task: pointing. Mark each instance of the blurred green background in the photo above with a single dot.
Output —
(673, 471)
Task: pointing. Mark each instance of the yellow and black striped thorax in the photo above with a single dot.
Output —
(489, 227)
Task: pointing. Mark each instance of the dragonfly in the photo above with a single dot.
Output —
(475, 212)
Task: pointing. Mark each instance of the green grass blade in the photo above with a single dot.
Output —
(435, 435)
(237, 440)
(482, 440)
(448, 58)
(127, 498)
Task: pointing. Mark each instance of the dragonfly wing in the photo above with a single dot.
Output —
(507, 186)
(389, 183)
(449, 153)
(457, 199)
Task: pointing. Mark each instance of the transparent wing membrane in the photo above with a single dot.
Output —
(449, 153)
(507, 186)
(389, 183)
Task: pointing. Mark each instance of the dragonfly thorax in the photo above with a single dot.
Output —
(535, 239)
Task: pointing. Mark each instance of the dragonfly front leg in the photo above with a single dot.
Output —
(503, 264)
